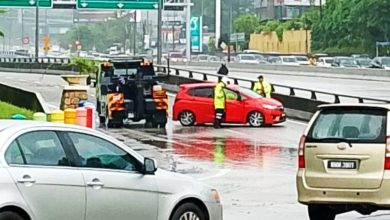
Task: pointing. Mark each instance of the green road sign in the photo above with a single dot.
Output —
(237, 37)
(25, 3)
(117, 4)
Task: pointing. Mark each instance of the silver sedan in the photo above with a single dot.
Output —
(60, 172)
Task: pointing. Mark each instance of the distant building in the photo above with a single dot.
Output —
(284, 9)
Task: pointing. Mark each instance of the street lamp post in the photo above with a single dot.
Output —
(37, 29)
(230, 29)
(159, 43)
(135, 33)
(188, 31)
(307, 40)
(22, 16)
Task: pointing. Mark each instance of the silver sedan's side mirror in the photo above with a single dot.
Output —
(149, 166)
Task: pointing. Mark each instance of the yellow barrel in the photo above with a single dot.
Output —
(57, 116)
(39, 116)
(70, 116)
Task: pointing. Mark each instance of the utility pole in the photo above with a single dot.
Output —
(188, 31)
(173, 31)
(22, 27)
(281, 10)
(159, 43)
(321, 9)
(217, 21)
(173, 37)
(230, 28)
(37, 30)
(201, 15)
(135, 33)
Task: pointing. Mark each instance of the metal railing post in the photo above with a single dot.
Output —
(292, 92)
(313, 95)
(336, 99)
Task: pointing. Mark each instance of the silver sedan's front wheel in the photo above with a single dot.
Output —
(187, 118)
(189, 211)
(256, 119)
(189, 216)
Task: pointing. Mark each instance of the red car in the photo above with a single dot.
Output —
(194, 104)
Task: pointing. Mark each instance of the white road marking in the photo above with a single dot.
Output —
(235, 132)
(298, 122)
(222, 172)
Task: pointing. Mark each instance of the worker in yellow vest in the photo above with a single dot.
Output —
(219, 102)
(262, 87)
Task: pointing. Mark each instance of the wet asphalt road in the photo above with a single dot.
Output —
(253, 168)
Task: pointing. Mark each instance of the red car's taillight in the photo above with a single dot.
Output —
(301, 152)
(387, 154)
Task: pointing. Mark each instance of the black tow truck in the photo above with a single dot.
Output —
(126, 90)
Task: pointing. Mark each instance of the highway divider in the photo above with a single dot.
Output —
(337, 71)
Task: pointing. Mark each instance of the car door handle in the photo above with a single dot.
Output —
(26, 179)
(95, 182)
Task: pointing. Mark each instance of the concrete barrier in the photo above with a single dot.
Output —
(304, 69)
(38, 71)
(31, 67)
(22, 98)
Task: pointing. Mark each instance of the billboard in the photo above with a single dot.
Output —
(196, 34)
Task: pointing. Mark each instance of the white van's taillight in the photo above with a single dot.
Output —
(301, 152)
(387, 154)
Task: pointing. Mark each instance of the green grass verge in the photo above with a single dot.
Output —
(7, 110)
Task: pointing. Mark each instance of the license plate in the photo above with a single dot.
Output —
(130, 115)
(349, 165)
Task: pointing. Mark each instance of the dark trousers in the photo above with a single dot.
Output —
(219, 114)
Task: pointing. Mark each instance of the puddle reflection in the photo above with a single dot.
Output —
(235, 151)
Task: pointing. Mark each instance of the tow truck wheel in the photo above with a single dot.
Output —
(162, 125)
(102, 121)
(109, 123)
(151, 123)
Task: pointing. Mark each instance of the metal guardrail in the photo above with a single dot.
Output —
(42, 60)
(314, 94)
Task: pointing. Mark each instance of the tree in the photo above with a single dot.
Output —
(350, 26)
(211, 45)
(99, 36)
(246, 24)
(1, 33)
